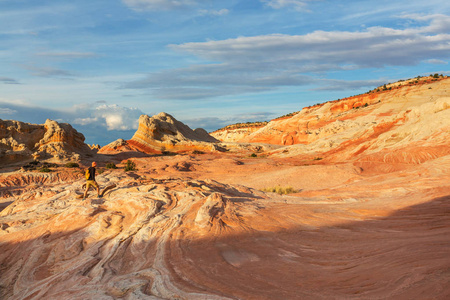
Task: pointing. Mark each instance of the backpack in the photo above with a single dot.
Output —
(86, 174)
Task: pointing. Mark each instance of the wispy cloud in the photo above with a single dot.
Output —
(436, 62)
(49, 72)
(67, 55)
(7, 111)
(220, 12)
(295, 4)
(158, 5)
(8, 80)
(214, 123)
(345, 85)
(267, 62)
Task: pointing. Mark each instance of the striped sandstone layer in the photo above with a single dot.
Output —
(161, 133)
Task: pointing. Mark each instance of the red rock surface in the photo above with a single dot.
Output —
(394, 122)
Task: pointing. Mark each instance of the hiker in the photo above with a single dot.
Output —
(90, 177)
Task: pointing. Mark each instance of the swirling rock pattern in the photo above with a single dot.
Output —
(408, 124)
(156, 236)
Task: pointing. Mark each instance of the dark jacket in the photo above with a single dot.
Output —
(91, 173)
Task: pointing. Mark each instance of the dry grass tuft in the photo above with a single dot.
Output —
(281, 190)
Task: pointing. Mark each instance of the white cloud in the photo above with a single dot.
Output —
(267, 62)
(439, 23)
(85, 121)
(278, 4)
(7, 111)
(113, 117)
(157, 5)
(220, 12)
(117, 117)
(436, 62)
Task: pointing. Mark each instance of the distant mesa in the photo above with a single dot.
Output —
(53, 141)
(161, 133)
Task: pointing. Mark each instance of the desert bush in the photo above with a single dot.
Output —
(111, 166)
(253, 155)
(49, 165)
(281, 190)
(44, 170)
(198, 152)
(130, 166)
(72, 165)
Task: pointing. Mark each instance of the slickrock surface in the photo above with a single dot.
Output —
(161, 133)
(55, 141)
(168, 231)
(236, 134)
(408, 124)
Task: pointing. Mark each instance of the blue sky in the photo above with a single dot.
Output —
(99, 64)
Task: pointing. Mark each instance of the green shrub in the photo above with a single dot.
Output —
(111, 166)
(130, 166)
(44, 170)
(281, 190)
(72, 165)
(253, 155)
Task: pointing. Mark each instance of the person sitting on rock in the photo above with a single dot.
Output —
(90, 177)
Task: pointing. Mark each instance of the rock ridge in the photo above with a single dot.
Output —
(57, 142)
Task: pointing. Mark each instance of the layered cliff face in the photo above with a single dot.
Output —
(407, 124)
(234, 135)
(55, 141)
(161, 133)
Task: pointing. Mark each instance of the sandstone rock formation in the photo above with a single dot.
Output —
(21, 141)
(408, 124)
(160, 236)
(238, 132)
(161, 133)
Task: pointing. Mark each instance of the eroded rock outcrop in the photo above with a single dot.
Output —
(161, 133)
(21, 141)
